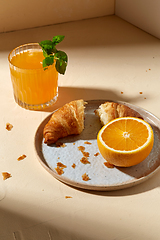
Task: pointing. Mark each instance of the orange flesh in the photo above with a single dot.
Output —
(125, 132)
(32, 84)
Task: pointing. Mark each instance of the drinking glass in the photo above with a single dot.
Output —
(33, 86)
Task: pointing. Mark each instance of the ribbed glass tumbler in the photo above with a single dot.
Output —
(34, 87)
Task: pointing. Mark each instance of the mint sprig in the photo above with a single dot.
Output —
(52, 55)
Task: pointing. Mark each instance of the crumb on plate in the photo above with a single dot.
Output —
(85, 154)
(87, 143)
(59, 170)
(85, 177)
(109, 165)
(84, 160)
(61, 165)
(60, 144)
(96, 154)
(81, 148)
(73, 165)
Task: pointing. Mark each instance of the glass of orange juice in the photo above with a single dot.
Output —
(33, 87)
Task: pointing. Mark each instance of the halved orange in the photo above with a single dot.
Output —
(125, 141)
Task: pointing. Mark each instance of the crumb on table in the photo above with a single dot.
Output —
(21, 157)
(6, 175)
(68, 197)
(9, 126)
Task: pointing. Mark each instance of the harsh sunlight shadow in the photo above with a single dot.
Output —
(67, 94)
(39, 223)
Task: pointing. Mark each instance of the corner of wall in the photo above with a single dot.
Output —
(143, 14)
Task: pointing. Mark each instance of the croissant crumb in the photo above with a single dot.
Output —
(9, 126)
(84, 160)
(85, 177)
(21, 157)
(111, 110)
(6, 175)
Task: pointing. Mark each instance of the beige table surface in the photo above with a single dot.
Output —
(107, 56)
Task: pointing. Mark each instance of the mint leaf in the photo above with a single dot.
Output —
(62, 55)
(49, 60)
(46, 42)
(44, 64)
(60, 66)
(47, 46)
(52, 55)
(57, 39)
(45, 54)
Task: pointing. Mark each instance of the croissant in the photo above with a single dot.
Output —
(111, 110)
(67, 120)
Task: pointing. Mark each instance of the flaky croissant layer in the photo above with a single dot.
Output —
(67, 120)
(111, 110)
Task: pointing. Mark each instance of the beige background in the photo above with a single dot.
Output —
(141, 13)
(101, 66)
(22, 14)
(108, 56)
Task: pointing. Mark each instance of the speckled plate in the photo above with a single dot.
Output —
(101, 178)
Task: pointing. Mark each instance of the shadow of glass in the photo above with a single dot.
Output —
(67, 94)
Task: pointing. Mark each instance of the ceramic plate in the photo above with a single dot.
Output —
(101, 178)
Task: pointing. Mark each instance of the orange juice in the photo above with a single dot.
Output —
(33, 86)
